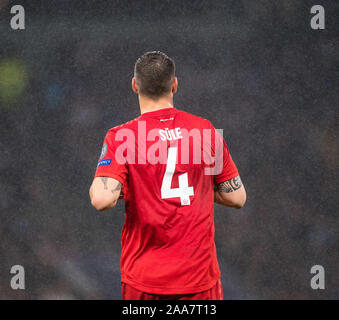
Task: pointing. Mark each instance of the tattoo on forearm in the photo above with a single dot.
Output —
(230, 185)
(117, 188)
(104, 181)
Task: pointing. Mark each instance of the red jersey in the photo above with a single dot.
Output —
(168, 236)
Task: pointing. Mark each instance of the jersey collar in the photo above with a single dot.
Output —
(161, 112)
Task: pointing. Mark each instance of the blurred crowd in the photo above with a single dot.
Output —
(253, 68)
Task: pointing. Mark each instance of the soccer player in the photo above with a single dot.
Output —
(161, 164)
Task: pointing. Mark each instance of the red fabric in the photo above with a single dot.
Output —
(167, 247)
(214, 293)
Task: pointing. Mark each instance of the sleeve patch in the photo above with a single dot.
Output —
(105, 162)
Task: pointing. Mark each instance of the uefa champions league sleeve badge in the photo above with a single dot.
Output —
(103, 151)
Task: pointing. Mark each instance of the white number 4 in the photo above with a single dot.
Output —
(184, 191)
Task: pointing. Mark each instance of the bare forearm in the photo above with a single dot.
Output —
(104, 193)
(220, 200)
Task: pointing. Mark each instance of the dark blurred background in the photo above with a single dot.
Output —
(254, 68)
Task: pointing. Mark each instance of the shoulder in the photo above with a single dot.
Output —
(195, 120)
(132, 124)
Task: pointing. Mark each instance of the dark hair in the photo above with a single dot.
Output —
(154, 72)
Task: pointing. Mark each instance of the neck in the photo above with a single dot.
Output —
(147, 104)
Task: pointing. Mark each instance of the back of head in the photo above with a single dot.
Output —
(154, 72)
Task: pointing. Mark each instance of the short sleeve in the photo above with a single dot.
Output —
(108, 165)
(228, 169)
